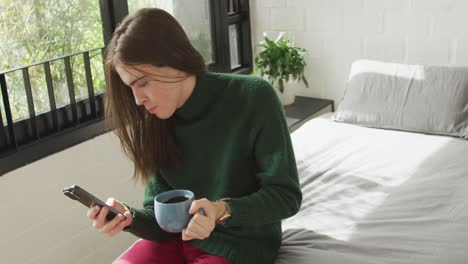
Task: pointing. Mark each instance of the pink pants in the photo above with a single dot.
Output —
(174, 251)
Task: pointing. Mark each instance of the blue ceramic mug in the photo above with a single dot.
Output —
(171, 209)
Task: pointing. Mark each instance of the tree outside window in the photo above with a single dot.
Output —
(34, 31)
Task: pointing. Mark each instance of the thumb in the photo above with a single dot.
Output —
(129, 219)
(112, 202)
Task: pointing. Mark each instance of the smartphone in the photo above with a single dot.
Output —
(77, 193)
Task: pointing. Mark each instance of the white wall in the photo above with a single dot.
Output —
(336, 32)
(41, 225)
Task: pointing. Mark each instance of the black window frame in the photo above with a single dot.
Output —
(31, 139)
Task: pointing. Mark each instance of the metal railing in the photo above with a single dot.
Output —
(18, 133)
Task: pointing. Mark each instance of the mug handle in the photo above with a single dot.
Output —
(201, 211)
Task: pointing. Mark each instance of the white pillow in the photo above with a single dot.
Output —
(417, 98)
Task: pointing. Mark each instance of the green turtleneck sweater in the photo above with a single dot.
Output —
(235, 141)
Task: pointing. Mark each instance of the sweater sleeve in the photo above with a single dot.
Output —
(144, 223)
(279, 195)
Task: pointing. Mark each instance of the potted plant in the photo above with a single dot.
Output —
(281, 61)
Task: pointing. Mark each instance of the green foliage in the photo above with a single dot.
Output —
(281, 61)
(39, 30)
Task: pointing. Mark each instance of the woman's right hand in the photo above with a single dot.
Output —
(114, 226)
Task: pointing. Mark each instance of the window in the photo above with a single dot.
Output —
(196, 26)
(51, 65)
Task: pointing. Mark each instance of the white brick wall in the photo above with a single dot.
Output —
(337, 32)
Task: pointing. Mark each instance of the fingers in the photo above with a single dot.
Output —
(194, 231)
(204, 222)
(123, 223)
(128, 221)
(100, 220)
(200, 226)
(111, 228)
(92, 212)
(117, 229)
(207, 206)
(186, 237)
(114, 226)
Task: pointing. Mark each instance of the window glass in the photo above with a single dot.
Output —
(193, 15)
(233, 6)
(234, 45)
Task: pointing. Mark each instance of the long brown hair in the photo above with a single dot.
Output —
(149, 36)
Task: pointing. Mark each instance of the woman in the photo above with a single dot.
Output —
(222, 136)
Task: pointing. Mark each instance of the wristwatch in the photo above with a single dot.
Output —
(227, 214)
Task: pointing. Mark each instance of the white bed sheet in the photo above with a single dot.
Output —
(377, 196)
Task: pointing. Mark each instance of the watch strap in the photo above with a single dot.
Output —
(227, 214)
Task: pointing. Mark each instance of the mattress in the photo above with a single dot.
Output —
(377, 196)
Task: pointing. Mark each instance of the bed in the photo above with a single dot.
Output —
(377, 196)
(373, 195)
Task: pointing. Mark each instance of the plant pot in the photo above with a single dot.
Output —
(286, 97)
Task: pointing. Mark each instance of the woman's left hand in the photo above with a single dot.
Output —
(201, 226)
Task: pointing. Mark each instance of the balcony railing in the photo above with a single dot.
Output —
(22, 134)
